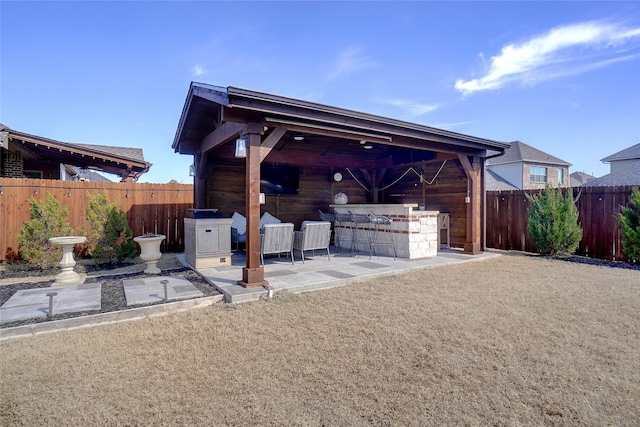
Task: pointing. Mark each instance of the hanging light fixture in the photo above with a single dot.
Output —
(241, 148)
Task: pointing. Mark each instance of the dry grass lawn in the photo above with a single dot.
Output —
(514, 340)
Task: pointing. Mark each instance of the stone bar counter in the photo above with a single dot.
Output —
(415, 232)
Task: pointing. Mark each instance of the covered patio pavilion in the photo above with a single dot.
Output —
(381, 161)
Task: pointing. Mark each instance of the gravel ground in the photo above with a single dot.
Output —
(15, 278)
(601, 262)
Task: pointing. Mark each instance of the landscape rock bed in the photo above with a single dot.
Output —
(113, 297)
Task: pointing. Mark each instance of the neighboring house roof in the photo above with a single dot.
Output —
(520, 152)
(86, 174)
(124, 152)
(494, 182)
(578, 179)
(630, 175)
(128, 163)
(630, 153)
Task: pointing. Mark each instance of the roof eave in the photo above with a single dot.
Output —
(212, 93)
(238, 97)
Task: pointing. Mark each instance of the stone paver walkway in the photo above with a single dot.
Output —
(30, 303)
(151, 289)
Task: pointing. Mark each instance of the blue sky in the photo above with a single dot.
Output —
(563, 77)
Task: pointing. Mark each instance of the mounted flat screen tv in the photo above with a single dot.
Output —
(279, 179)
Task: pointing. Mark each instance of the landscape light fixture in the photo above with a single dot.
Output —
(241, 148)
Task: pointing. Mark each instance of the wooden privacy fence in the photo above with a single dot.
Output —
(155, 208)
(598, 207)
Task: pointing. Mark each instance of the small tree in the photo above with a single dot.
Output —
(48, 219)
(110, 238)
(630, 221)
(553, 222)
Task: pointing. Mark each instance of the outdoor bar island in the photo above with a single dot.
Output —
(414, 232)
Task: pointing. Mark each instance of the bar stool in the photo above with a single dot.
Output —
(362, 232)
(329, 217)
(382, 226)
(343, 230)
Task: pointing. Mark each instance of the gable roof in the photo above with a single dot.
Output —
(208, 108)
(580, 178)
(128, 163)
(495, 182)
(520, 152)
(630, 153)
(629, 175)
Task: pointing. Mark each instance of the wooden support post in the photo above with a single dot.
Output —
(473, 243)
(253, 273)
(198, 192)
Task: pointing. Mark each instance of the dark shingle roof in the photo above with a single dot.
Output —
(125, 152)
(494, 182)
(521, 152)
(135, 154)
(630, 153)
(580, 178)
(629, 175)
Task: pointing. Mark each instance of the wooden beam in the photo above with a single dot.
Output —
(188, 147)
(220, 135)
(334, 133)
(381, 173)
(270, 141)
(439, 145)
(230, 114)
(300, 159)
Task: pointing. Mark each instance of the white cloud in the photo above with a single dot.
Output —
(415, 109)
(198, 70)
(567, 50)
(452, 125)
(350, 61)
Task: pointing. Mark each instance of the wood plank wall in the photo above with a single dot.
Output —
(598, 207)
(443, 189)
(158, 208)
(225, 190)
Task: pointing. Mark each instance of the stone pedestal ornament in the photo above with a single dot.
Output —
(150, 251)
(68, 276)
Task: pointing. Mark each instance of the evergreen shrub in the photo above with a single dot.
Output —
(48, 219)
(109, 239)
(630, 221)
(553, 221)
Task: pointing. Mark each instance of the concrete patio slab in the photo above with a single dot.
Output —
(319, 273)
